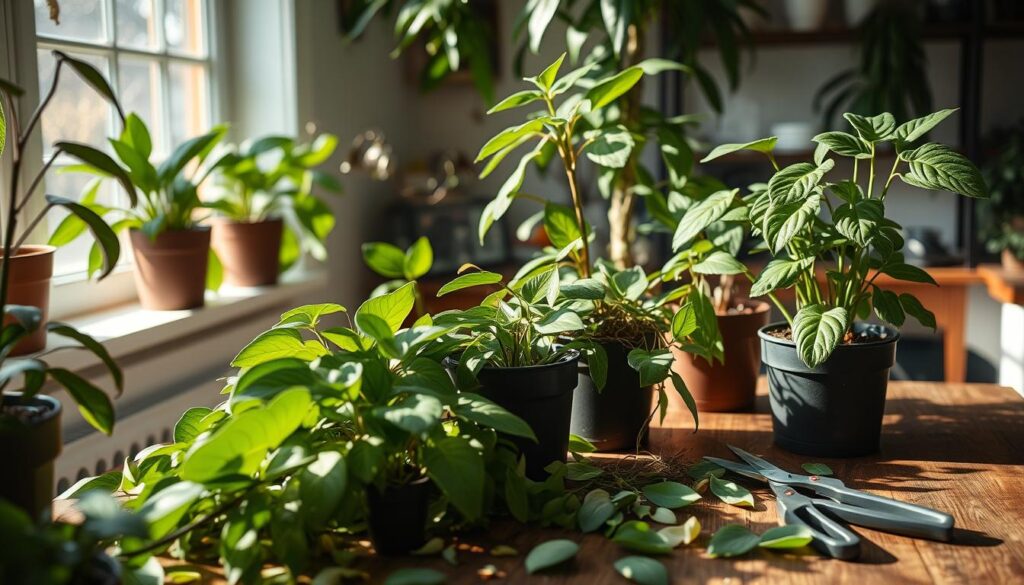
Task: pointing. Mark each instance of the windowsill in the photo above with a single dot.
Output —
(128, 329)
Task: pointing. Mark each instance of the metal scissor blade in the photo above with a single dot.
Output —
(753, 460)
(737, 468)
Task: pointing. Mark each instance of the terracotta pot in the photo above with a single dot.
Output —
(249, 251)
(170, 271)
(1011, 264)
(29, 284)
(730, 386)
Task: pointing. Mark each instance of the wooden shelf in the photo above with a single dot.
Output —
(1005, 287)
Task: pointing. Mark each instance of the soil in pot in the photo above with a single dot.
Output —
(540, 395)
(398, 516)
(729, 386)
(249, 251)
(29, 284)
(836, 408)
(170, 271)
(617, 417)
(30, 445)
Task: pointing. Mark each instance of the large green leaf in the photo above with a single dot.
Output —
(550, 553)
(481, 410)
(92, 76)
(700, 216)
(100, 161)
(859, 221)
(468, 280)
(190, 424)
(908, 272)
(785, 221)
(719, 262)
(670, 494)
(874, 128)
(321, 487)
(419, 258)
(560, 225)
(86, 341)
(276, 344)
(764, 145)
(731, 493)
(562, 320)
(914, 129)
(165, 509)
(653, 365)
(817, 330)
(104, 235)
(936, 166)
(796, 183)
(458, 470)
(610, 148)
(915, 309)
(416, 413)
(609, 89)
(786, 537)
(844, 144)
(308, 315)
(385, 259)
(188, 150)
(781, 272)
(92, 402)
(887, 307)
(393, 307)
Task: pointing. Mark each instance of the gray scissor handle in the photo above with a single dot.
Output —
(830, 537)
(883, 513)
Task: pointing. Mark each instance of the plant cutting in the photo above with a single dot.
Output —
(621, 315)
(173, 261)
(1001, 218)
(828, 369)
(267, 208)
(30, 422)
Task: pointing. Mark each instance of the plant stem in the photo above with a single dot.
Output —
(36, 181)
(871, 173)
(31, 226)
(892, 175)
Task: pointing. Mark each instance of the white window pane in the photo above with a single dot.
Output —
(139, 81)
(74, 257)
(183, 26)
(136, 26)
(76, 112)
(81, 20)
(188, 101)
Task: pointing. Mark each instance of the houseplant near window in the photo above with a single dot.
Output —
(268, 211)
(1001, 219)
(624, 317)
(30, 425)
(827, 369)
(172, 251)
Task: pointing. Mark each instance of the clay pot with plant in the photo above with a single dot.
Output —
(30, 422)
(828, 370)
(174, 264)
(267, 212)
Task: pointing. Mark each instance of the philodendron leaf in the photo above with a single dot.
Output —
(844, 144)
(817, 330)
(786, 537)
(642, 570)
(700, 216)
(415, 577)
(874, 128)
(764, 146)
(779, 273)
(731, 493)
(816, 468)
(670, 494)
(785, 220)
(732, 540)
(859, 221)
(936, 166)
(549, 554)
(719, 262)
(910, 131)
(685, 533)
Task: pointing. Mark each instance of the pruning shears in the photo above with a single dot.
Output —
(836, 501)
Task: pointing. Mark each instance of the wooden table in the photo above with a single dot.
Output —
(955, 447)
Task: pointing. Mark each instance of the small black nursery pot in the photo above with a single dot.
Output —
(835, 409)
(617, 417)
(30, 450)
(540, 395)
(398, 516)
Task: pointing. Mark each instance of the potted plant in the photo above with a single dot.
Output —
(827, 368)
(623, 321)
(1001, 219)
(266, 199)
(29, 421)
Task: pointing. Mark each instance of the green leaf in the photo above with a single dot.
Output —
(700, 216)
(136, 135)
(583, 289)
(685, 533)
(910, 131)
(786, 537)
(108, 483)
(393, 307)
(546, 79)
(521, 98)
(612, 88)
(163, 510)
(936, 166)
(611, 148)
(642, 570)
(719, 262)
(560, 225)
(509, 136)
(908, 272)
(887, 307)
(579, 471)
(704, 468)
(732, 540)
(563, 320)
(188, 150)
(190, 425)
(91, 76)
(92, 402)
(816, 468)
(844, 144)
(214, 271)
(578, 444)
(684, 394)
(784, 221)
(873, 129)
(276, 344)
(415, 577)
(481, 410)
(549, 554)
(664, 516)
(100, 161)
(419, 258)
(653, 365)
(638, 536)
(597, 508)
(308, 315)
(321, 487)
(86, 341)
(468, 280)
(797, 183)
(915, 309)
(684, 322)
(415, 414)
(384, 259)
(817, 330)
(779, 273)
(569, 79)
(105, 237)
(731, 493)
(764, 145)
(655, 66)
(859, 221)
(458, 470)
(670, 494)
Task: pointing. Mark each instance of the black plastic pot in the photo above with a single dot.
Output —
(29, 451)
(540, 395)
(835, 409)
(398, 516)
(617, 417)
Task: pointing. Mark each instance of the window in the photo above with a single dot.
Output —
(155, 53)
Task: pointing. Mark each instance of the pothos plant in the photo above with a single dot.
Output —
(623, 308)
(20, 321)
(276, 176)
(855, 236)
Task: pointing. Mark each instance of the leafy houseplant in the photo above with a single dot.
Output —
(29, 421)
(624, 317)
(827, 371)
(1001, 219)
(172, 251)
(270, 210)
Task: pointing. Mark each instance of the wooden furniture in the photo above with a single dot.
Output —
(1005, 287)
(955, 447)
